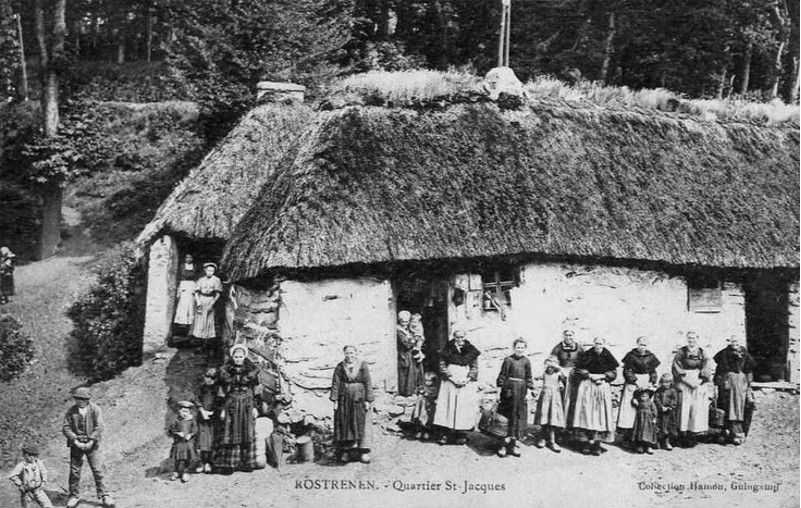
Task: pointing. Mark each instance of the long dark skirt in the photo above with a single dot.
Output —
(236, 436)
(7, 284)
(239, 425)
(351, 419)
(514, 407)
(569, 395)
(410, 374)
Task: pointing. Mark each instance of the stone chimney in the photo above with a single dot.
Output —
(288, 93)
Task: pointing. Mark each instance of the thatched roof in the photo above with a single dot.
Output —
(370, 185)
(209, 202)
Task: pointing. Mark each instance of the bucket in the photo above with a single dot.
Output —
(305, 449)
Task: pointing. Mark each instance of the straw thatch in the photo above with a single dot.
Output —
(372, 185)
(210, 201)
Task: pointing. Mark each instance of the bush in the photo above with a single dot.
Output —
(16, 348)
(109, 318)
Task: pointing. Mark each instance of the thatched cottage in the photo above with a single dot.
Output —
(199, 215)
(521, 222)
(614, 223)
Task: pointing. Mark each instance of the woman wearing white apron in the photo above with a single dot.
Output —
(185, 309)
(639, 371)
(457, 403)
(691, 375)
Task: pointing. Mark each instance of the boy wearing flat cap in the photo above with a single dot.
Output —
(29, 476)
(83, 426)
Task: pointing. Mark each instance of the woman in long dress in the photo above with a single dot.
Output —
(185, 309)
(593, 413)
(209, 288)
(691, 375)
(410, 368)
(235, 446)
(457, 403)
(352, 394)
(733, 377)
(515, 380)
(567, 352)
(639, 371)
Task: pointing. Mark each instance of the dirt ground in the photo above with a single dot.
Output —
(762, 472)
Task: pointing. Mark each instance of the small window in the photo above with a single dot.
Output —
(497, 288)
(704, 293)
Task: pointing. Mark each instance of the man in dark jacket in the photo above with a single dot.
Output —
(83, 427)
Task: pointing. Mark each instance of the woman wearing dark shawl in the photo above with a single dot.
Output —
(236, 438)
(733, 377)
(593, 414)
(352, 394)
(567, 352)
(410, 369)
(457, 403)
(639, 372)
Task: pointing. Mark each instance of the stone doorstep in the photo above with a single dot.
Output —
(776, 385)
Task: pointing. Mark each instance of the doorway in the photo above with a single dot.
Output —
(767, 326)
(426, 295)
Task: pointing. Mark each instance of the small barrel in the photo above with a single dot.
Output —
(305, 449)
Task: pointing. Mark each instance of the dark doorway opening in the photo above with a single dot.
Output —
(767, 327)
(427, 296)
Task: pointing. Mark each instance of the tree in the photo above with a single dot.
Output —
(9, 50)
(50, 34)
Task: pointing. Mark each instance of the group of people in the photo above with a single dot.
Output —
(197, 296)
(575, 403)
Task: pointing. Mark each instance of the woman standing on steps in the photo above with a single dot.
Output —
(208, 291)
(185, 309)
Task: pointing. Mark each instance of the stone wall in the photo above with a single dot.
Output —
(619, 304)
(161, 291)
(794, 343)
(316, 320)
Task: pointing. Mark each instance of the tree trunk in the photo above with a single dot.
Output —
(23, 82)
(51, 59)
(746, 76)
(792, 68)
(603, 78)
(777, 71)
(724, 73)
(121, 47)
(149, 35)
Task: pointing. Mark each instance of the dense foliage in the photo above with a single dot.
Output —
(109, 318)
(16, 348)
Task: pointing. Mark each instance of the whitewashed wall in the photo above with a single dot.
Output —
(161, 292)
(619, 304)
(317, 319)
(794, 344)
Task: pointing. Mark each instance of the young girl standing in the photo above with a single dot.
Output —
(667, 403)
(644, 432)
(514, 381)
(550, 412)
(208, 401)
(183, 432)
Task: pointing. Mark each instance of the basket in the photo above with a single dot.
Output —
(493, 423)
(717, 417)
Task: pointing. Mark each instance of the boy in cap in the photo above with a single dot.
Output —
(29, 476)
(83, 426)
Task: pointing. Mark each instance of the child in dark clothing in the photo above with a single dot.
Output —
(183, 431)
(667, 402)
(423, 412)
(208, 402)
(644, 432)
